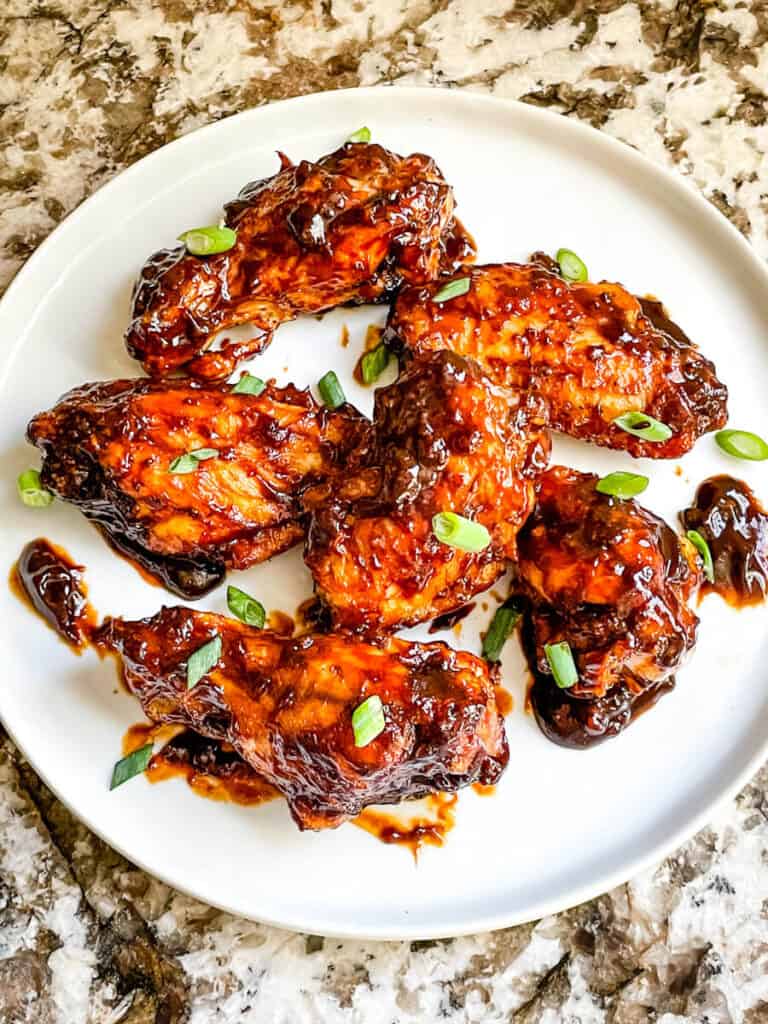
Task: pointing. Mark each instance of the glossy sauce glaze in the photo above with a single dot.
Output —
(47, 578)
(450, 619)
(435, 818)
(735, 526)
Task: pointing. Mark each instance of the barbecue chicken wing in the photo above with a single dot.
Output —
(444, 439)
(613, 581)
(108, 449)
(285, 705)
(349, 228)
(593, 351)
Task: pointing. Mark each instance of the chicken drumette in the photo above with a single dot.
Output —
(286, 704)
(593, 351)
(122, 451)
(614, 582)
(445, 439)
(349, 228)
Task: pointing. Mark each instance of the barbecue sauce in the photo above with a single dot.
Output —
(47, 579)
(428, 827)
(449, 619)
(735, 526)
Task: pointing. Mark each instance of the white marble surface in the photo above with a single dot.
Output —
(88, 87)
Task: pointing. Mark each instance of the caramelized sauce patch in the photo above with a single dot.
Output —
(418, 823)
(450, 619)
(735, 526)
(46, 578)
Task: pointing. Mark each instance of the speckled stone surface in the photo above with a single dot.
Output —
(87, 87)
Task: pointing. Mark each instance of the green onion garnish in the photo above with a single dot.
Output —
(31, 492)
(571, 267)
(188, 462)
(562, 664)
(361, 135)
(133, 764)
(202, 660)
(742, 444)
(246, 608)
(621, 484)
(374, 363)
(449, 291)
(331, 391)
(248, 385)
(502, 624)
(706, 555)
(459, 532)
(208, 241)
(644, 426)
(368, 721)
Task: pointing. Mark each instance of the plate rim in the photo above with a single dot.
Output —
(409, 930)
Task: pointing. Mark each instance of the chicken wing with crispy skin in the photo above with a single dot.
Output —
(108, 448)
(286, 703)
(592, 350)
(349, 228)
(445, 439)
(613, 581)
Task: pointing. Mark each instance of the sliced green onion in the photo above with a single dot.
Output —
(248, 385)
(331, 391)
(742, 444)
(706, 555)
(502, 624)
(133, 764)
(459, 532)
(374, 363)
(449, 291)
(202, 660)
(246, 608)
(571, 267)
(644, 426)
(621, 484)
(188, 462)
(361, 135)
(31, 492)
(201, 454)
(208, 241)
(562, 664)
(368, 721)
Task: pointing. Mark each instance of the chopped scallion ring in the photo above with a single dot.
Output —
(246, 608)
(561, 663)
(368, 721)
(248, 385)
(706, 555)
(208, 241)
(130, 766)
(361, 135)
(622, 485)
(374, 363)
(502, 624)
(459, 532)
(201, 454)
(742, 444)
(453, 289)
(31, 491)
(331, 391)
(201, 661)
(571, 266)
(641, 425)
(188, 462)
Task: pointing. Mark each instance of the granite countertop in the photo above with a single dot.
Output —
(87, 87)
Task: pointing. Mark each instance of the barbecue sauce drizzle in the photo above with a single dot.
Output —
(47, 579)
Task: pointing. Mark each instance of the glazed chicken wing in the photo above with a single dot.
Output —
(109, 447)
(593, 351)
(445, 439)
(613, 581)
(286, 704)
(349, 228)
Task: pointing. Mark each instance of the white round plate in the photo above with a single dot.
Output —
(563, 825)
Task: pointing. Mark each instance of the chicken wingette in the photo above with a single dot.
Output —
(444, 439)
(287, 706)
(191, 480)
(349, 228)
(593, 351)
(614, 582)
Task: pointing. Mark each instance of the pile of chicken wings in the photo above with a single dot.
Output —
(193, 476)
